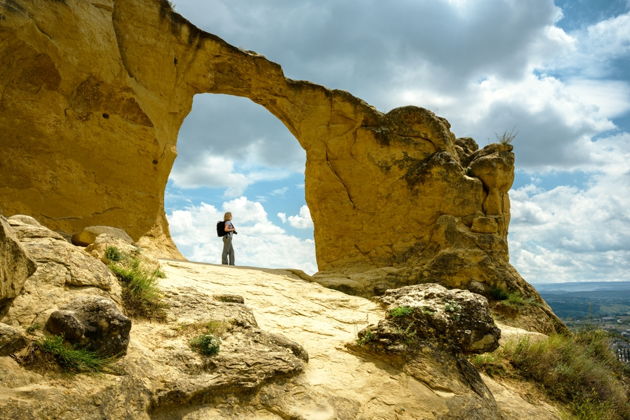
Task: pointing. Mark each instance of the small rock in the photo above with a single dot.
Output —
(11, 340)
(22, 218)
(229, 298)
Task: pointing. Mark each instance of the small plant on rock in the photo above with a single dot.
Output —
(113, 254)
(498, 293)
(206, 344)
(33, 327)
(70, 358)
(400, 311)
(507, 137)
(365, 338)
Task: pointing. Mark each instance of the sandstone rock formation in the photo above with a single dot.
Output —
(63, 273)
(294, 358)
(101, 98)
(425, 333)
(12, 340)
(431, 313)
(15, 265)
(89, 234)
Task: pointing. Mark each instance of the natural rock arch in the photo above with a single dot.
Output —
(100, 99)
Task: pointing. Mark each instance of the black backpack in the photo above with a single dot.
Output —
(221, 229)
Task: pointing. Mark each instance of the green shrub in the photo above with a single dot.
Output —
(206, 344)
(72, 359)
(400, 311)
(113, 254)
(578, 370)
(516, 300)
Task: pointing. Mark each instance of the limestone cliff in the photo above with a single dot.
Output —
(92, 95)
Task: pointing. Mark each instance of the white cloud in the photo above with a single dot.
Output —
(219, 172)
(302, 220)
(258, 243)
(278, 192)
(576, 234)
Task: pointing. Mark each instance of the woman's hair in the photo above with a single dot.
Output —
(227, 216)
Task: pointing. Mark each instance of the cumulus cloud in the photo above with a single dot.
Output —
(219, 172)
(259, 242)
(302, 220)
(576, 234)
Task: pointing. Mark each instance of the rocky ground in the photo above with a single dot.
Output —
(288, 346)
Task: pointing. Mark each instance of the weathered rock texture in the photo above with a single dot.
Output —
(96, 91)
(94, 323)
(89, 234)
(260, 371)
(15, 265)
(425, 333)
(457, 319)
(64, 272)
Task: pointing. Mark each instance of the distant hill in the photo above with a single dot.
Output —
(583, 286)
(587, 300)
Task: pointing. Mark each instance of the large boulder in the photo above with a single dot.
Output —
(63, 272)
(429, 313)
(89, 234)
(427, 332)
(94, 323)
(15, 265)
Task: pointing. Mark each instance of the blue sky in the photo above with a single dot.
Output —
(556, 73)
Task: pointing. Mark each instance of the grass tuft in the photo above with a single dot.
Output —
(72, 359)
(141, 295)
(496, 293)
(507, 137)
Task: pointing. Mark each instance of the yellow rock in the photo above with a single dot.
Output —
(93, 96)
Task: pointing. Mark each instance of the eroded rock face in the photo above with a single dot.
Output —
(15, 265)
(89, 234)
(11, 340)
(426, 331)
(64, 271)
(116, 108)
(101, 98)
(457, 318)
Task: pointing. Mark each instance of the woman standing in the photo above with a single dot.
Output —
(227, 257)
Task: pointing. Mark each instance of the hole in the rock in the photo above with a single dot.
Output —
(105, 115)
(234, 155)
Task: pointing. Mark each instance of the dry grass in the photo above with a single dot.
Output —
(579, 371)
